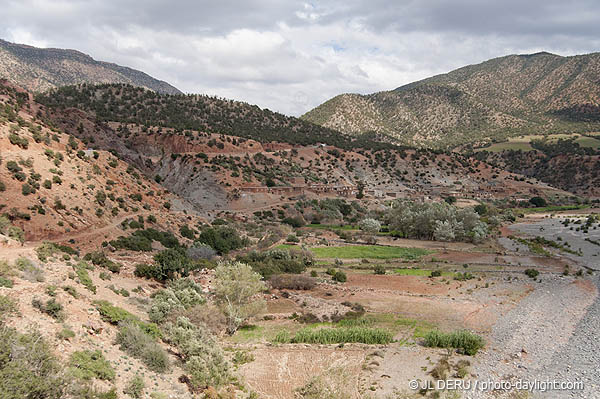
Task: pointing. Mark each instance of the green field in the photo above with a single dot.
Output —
(369, 252)
(269, 331)
(522, 143)
(517, 146)
(588, 142)
(552, 208)
(420, 272)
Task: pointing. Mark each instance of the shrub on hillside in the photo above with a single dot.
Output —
(277, 261)
(141, 240)
(292, 282)
(340, 276)
(135, 387)
(99, 258)
(91, 364)
(116, 315)
(205, 363)
(137, 343)
(200, 251)
(52, 308)
(180, 295)
(222, 239)
(28, 367)
(172, 263)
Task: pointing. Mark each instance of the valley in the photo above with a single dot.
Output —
(185, 246)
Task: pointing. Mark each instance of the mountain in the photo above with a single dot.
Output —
(499, 98)
(38, 69)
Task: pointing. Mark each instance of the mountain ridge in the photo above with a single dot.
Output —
(484, 102)
(39, 69)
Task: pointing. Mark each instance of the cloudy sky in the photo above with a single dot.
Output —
(290, 56)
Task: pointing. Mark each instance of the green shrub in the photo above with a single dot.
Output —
(340, 277)
(5, 282)
(91, 364)
(435, 273)
(71, 291)
(115, 315)
(84, 277)
(65, 334)
(146, 271)
(463, 276)
(204, 360)
(27, 189)
(99, 258)
(137, 343)
(31, 272)
(172, 262)
(277, 261)
(51, 308)
(365, 335)
(141, 240)
(28, 367)
(180, 295)
(463, 340)
(7, 307)
(186, 232)
(135, 387)
(17, 140)
(222, 239)
(531, 273)
(379, 269)
(292, 282)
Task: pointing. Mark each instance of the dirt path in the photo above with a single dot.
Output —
(89, 231)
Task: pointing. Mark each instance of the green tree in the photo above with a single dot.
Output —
(235, 288)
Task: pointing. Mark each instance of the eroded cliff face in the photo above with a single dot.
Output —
(199, 185)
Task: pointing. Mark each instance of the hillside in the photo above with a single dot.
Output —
(39, 69)
(225, 172)
(499, 98)
(128, 104)
(53, 186)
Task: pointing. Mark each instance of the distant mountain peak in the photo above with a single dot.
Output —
(40, 69)
(493, 100)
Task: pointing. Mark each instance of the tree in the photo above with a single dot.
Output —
(170, 262)
(370, 226)
(538, 202)
(236, 285)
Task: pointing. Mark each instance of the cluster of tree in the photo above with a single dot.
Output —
(277, 261)
(435, 221)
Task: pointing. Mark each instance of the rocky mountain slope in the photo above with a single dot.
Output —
(499, 98)
(38, 69)
(52, 185)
